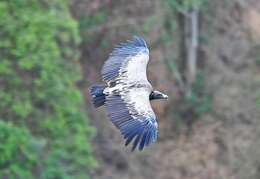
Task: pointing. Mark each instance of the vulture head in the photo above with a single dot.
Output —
(157, 95)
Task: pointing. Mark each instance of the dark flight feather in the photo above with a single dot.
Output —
(132, 126)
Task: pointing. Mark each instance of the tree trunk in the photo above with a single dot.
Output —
(191, 41)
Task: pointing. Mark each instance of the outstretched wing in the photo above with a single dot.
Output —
(127, 62)
(131, 112)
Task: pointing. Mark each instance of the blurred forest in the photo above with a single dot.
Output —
(204, 54)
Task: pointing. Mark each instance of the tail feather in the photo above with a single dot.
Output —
(98, 97)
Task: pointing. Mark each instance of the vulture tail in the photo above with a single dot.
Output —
(98, 97)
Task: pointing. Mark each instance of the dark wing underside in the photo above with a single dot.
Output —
(132, 114)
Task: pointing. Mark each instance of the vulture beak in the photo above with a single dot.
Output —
(164, 96)
(157, 95)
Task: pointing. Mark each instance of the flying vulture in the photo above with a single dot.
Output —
(127, 93)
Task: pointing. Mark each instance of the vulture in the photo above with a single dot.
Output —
(127, 93)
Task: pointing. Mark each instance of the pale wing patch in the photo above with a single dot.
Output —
(138, 99)
(135, 69)
(128, 61)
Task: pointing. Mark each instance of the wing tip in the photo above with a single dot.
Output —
(139, 41)
(141, 136)
(135, 42)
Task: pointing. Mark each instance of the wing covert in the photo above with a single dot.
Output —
(127, 62)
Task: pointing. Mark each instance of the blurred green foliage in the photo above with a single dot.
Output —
(199, 101)
(184, 5)
(88, 25)
(193, 106)
(19, 151)
(174, 7)
(93, 20)
(258, 101)
(43, 130)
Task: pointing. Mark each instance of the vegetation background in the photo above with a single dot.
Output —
(204, 54)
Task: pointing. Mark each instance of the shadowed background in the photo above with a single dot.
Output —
(203, 54)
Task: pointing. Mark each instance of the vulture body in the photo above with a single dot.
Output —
(127, 93)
